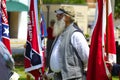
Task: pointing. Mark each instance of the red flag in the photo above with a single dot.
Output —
(5, 26)
(33, 53)
(109, 34)
(97, 68)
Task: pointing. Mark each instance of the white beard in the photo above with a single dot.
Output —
(59, 26)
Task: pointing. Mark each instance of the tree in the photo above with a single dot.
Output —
(64, 1)
(117, 9)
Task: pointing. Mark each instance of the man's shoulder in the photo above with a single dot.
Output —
(77, 28)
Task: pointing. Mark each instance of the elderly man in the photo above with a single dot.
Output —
(59, 24)
(57, 29)
(69, 55)
(6, 65)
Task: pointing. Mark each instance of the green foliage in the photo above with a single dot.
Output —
(117, 9)
(115, 78)
(87, 35)
(64, 1)
(21, 72)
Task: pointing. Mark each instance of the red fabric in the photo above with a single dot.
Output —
(50, 33)
(96, 66)
(111, 39)
(44, 64)
(96, 69)
(33, 19)
(109, 36)
(37, 74)
(7, 44)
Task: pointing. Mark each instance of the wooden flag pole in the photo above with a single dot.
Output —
(106, 28)
(107, 52)
(39, 6)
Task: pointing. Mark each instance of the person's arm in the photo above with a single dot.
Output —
(80, 44)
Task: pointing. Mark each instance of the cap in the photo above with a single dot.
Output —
(59, 11)
(68, 10)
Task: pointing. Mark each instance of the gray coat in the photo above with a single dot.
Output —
(6, 63)
(72, 66)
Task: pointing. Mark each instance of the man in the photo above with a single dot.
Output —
(57, 29)
(69, 55)
(50, 37)
(6, 64)
(59, 24)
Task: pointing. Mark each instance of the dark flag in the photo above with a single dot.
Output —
(33, 53)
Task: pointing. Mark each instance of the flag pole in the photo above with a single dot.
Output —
(40, 3)
(39, 6)
(107, 52)
(107, 28)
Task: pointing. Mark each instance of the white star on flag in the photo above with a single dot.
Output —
(6, 31)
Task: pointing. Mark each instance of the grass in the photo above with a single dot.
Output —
(20, 71)
(115, 78)
(19, 68)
